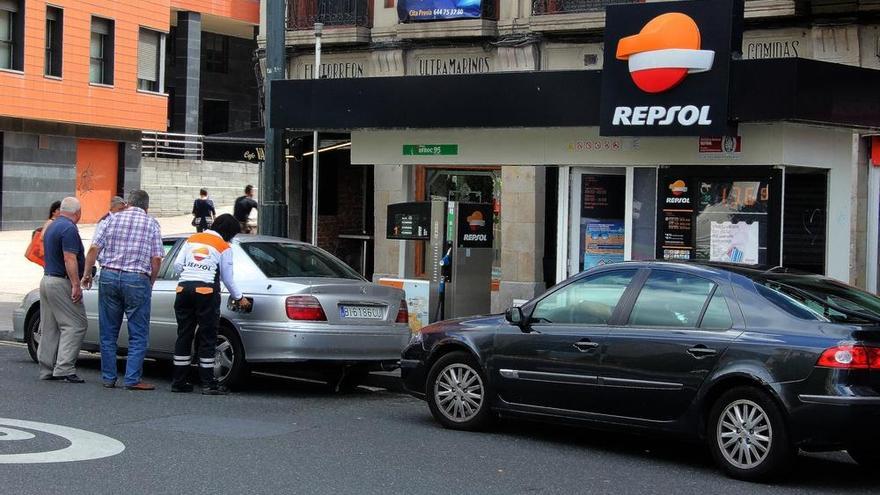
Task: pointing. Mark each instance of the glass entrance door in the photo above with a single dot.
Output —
(596, 228)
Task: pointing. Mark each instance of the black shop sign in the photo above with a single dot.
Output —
(667, 68)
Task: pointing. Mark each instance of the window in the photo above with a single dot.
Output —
(671, 299)
(11, 34)
(717, 315)
(54, 35)
(101, 51)
(171, 248)
(150, 71)
(589, 301)
(284, 260)
(216, 52)
(818, 298)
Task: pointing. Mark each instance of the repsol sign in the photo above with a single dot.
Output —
(688, 115)
(667, 68)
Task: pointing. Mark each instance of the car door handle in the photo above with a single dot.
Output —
(701, 351)
(585, 345)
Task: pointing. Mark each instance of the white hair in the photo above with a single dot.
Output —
(70, 205)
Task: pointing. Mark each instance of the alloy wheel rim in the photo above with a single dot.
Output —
(224, 357)
(744, 434)
(458, 392)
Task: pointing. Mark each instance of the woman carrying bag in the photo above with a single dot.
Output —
(34, 250)
(203, 212)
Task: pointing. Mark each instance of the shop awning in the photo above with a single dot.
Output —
(798, 90)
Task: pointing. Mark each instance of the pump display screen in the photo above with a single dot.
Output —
(409, 221)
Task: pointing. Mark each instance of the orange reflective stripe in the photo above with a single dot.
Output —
(209, 240)
(204, 290)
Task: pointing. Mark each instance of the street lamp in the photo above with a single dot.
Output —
(319, 28)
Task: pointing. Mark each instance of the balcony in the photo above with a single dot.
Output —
(345, 21)
(545, 7)
(557, 16)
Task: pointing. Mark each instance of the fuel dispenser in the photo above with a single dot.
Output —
(459, 252)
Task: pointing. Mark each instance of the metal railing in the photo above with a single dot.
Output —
(303, 14)
(542, 7)
(172, 146)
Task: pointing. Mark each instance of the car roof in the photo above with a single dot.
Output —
(721, 269)
(245, 238)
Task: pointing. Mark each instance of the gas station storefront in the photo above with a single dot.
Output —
(784, 188)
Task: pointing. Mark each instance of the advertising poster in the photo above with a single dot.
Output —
(602, 243)
(434, 10)
(734, 242)
(677, 228)
(475, 225)
(417, 300)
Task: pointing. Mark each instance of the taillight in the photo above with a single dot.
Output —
(850, 357)
(305, 308)
(402, 313)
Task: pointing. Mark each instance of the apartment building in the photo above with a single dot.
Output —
(542, 180)
(80, 80)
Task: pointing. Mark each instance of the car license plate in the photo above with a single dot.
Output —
(362, 312)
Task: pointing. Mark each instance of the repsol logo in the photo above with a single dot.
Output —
(198, 266)
(687, 115)
(678, 200)
(476, 237)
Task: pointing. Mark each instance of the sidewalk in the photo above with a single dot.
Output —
(20, 276)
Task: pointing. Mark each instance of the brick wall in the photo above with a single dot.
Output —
(174, 184)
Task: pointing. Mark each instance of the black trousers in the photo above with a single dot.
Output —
(197, 304)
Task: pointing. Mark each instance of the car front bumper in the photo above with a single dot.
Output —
(18, 321)
(297, 342)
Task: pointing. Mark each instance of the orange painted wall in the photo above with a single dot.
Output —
(72, 99)
(240, 10)
(96, 171)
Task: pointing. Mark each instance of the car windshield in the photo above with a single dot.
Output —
(822, 298)
(286, 260)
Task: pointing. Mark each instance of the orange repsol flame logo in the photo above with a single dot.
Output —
(664, 52)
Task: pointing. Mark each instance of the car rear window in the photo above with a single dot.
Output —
(818, 298)
(286, 260)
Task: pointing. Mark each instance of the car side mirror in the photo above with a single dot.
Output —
(515, 317)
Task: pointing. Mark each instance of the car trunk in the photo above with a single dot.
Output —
(355, 302)
(869, 335)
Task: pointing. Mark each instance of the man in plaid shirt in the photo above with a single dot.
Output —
(130, 246)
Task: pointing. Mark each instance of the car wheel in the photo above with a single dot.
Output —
(32, 335)
(867, 455)
(457, 392)
(230, 368)
(748, 435)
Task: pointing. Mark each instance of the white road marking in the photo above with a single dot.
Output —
(84, 445)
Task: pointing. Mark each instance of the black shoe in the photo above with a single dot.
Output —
(51, 378)
(214, 391)
(109, 384)
(72, 379)
(182, 388)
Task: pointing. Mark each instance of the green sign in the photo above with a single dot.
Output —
(430, 149)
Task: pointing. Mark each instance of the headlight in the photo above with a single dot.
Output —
(416, 339)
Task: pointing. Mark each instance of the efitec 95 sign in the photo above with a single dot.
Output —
(667, 68)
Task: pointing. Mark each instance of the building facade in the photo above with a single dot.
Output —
(80, 82)
(806, 185)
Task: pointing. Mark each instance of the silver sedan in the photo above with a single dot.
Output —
(309, 309)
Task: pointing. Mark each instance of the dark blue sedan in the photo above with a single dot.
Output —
(758, 364)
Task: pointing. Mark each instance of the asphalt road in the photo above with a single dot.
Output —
(286, 436)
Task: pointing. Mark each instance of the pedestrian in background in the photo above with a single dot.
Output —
(204, 260)
(242, 208)
(203, 211)
(130, 246)
(34, 250)
(62, 314)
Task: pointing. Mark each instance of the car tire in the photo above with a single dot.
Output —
(458, 393)
(866, 455)
(229, 358)
(748, 435)
(32, 335)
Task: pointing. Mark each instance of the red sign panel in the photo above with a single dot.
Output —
(726, 144)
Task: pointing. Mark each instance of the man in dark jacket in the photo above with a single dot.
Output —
(242, 209)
